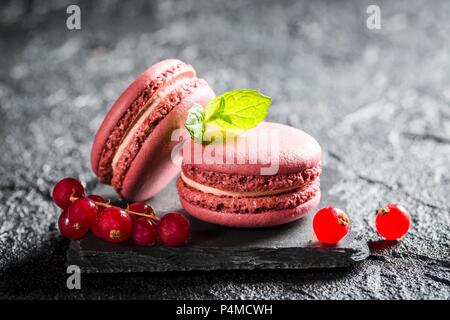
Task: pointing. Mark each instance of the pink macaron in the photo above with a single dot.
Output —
(263, 177)
(132, 148)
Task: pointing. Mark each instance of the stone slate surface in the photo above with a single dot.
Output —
(218, 248)
(377, 101)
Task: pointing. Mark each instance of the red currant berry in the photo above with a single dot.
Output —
(70, 230)
(330, 225)
(98, 199)
(173, 229)
(114, 224)
(144, 233)
(392, 222)
(96, 229)
(141, 207)
(83, 211)
(64, 189)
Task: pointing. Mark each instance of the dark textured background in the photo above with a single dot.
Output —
(377, 101)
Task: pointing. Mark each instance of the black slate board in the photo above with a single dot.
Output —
(220, 248)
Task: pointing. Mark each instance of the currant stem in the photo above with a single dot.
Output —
(107, 205)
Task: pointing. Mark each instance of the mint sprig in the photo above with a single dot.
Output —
(237, 110)
(195, 122)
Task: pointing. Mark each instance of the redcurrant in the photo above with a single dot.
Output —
(144, 233)
(330, 225)
(141, 207)
(98, 199)
(70, 230)
(393, 222)
(64, 189)
(114, 224)
(173, 229)
(83, 211)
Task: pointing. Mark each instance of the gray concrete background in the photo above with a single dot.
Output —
(377, 101)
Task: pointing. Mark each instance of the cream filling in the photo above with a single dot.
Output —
(241, 194)
(152, 103)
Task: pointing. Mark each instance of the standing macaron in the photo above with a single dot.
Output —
(252, 182)
(132, 147)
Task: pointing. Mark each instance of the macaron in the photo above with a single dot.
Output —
(132, 148)
(267, 176)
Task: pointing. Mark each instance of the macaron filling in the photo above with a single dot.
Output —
(248, 204)
(133, 113)
(250, 183)
(239, 194)
(164, 103)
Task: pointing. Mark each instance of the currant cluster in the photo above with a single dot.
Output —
(331, 224)
(82, 213)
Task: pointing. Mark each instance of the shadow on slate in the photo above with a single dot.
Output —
(220, 248)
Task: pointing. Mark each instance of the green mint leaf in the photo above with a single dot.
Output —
(195, 122)
(237, 110)
(216, 108)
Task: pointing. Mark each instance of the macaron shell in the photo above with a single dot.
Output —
(297, 151)
(152, 168)
(260, 220)
(122, 104)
